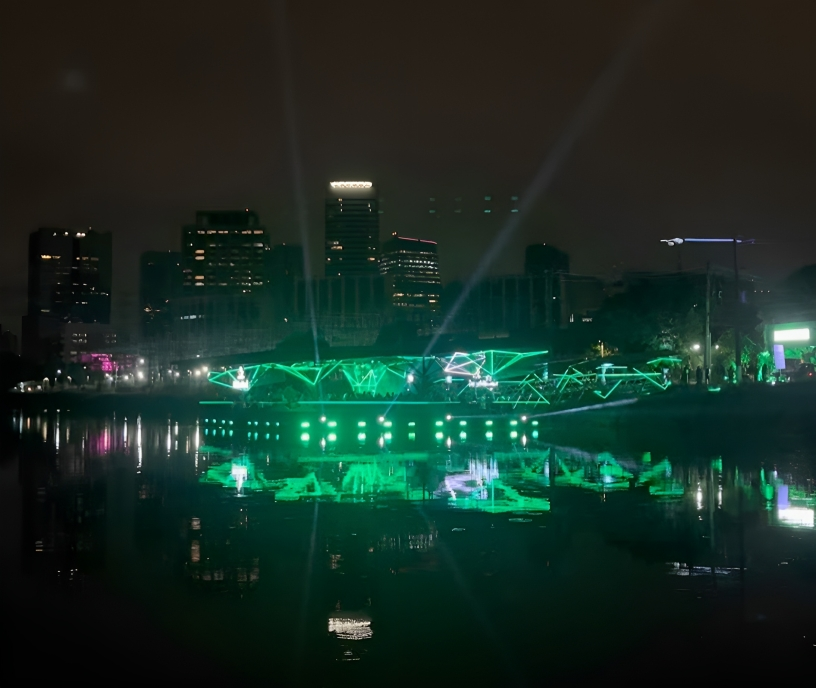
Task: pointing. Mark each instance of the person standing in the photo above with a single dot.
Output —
(698, 374)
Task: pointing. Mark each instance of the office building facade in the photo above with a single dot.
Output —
(160, 280)
(411, 267)
(540, 259)
(285, 267)
(69, 281)
(347, 310)
(224, 304)
(352, 229)
(224, 252)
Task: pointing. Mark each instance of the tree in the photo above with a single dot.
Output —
(652, 315)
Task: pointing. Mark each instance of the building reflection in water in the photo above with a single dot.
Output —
(119, 497)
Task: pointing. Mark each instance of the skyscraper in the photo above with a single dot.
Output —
(69, 281)
(547, 262)
(69, 275)
(160, 279)
(284, 266)
(224, 305)
(412, 266)
(224, 253)
(352, 229)
(540, 259)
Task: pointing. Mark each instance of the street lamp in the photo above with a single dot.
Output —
(678, 241)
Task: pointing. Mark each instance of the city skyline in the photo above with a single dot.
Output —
(708, 131)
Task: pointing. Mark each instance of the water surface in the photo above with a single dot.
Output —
(311, 548)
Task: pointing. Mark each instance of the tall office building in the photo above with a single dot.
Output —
(285, 262)
(284, 266)
(8, 341)
(540, 259)
(352, 230)
(224, 253)
(348, 311)
(69, 275)
(412, 268)
(225, 305)
(160, 280)
(69, 281)
(551, 267)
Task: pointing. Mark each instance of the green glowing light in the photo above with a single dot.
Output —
(361, 424)
(412, 436)
(332, 423)
(513, 422)
(387, 424)
(304, 424)
(462, 435)
(535, 434)
(612, 389)
(332, 437)
(304, 437)
(411, 424)
(439, 423)
(513, 435)
(439, 435)
(489, 435)
(462, 422)
(387, 436)
(535, 422)
(488, 422)
(361, 436)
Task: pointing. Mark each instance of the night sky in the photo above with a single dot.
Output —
(130, 120)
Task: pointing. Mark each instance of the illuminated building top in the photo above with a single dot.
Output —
(352, 229)
(351, 185)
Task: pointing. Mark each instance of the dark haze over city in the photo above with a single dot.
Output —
(128, 118)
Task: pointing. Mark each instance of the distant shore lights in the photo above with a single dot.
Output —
(351, 185)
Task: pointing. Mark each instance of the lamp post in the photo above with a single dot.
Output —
(735, 241)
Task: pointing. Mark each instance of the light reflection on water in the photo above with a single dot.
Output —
(232, 515)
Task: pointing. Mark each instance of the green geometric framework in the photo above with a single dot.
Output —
(388, 375)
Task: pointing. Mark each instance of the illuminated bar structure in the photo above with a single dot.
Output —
(510, 379)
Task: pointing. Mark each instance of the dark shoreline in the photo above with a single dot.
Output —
(695, 420)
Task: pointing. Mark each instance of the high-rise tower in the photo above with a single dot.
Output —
(412, 266)
(69, 281)
(352, 229)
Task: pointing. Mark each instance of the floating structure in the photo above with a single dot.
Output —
(513, 379)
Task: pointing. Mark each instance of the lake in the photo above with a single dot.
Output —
(333, 544)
